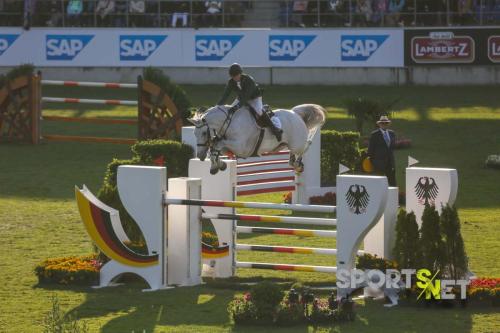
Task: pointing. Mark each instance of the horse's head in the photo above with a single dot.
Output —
(206, 127)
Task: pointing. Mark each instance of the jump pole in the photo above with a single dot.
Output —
(353, 223)
(88, 101)
(256, 205)
(287, 231)
(289, 249)
(272, 219)
(89, 84)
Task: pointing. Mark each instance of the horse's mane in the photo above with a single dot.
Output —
(203, 111)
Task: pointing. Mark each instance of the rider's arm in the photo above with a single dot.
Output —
(225, 95)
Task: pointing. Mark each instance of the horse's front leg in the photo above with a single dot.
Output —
(216, 163)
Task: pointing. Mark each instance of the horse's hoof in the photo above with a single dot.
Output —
(213, 171)
(222, 166)
(299, 168)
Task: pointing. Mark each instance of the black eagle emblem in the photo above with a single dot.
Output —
(426, 190)
(357, 198)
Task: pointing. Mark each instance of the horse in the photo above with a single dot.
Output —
(221, 131)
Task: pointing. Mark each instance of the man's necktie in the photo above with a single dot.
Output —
(387, 138)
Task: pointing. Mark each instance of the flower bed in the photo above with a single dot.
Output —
(79, 270)
(266, 304)
(329, 198)
(484, 291)
(493, 162)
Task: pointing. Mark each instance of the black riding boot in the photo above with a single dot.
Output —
(269, 123)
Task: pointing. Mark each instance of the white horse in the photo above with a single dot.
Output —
(221, 131)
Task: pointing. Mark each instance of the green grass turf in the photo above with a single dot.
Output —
(450, 127)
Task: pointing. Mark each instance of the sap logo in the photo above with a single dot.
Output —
(65, 47)
(215, 47)
(6, 41)
(360, 47)
(287, 47)
(139, 47)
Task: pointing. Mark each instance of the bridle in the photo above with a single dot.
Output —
(217, 136)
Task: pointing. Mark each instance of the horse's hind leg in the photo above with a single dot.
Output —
(295, 162)
(298, 165)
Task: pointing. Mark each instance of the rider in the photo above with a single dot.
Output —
(249, 94)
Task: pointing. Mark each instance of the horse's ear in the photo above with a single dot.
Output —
(196, 122)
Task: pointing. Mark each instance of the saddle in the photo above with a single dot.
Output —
(260, 121)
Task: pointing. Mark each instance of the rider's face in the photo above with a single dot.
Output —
(237, 77)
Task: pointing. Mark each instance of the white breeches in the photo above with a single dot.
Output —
(255, 103)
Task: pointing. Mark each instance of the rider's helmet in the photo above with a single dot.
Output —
(235, 69)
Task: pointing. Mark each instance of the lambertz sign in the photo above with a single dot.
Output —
(451, 46)
(494, 48)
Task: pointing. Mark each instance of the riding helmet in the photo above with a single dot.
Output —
(235, 69)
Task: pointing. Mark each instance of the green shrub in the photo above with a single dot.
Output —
(56, 321)
(108, 193)
(369, 261)
(266, 296)
(338, 147)
(176, 92)
(265, 305)
(172, 154)
(26, 69)
(242, 310)
(321, 313)
(289, 314)
(345, 311)
(299, 287)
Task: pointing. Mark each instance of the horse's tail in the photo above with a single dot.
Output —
(313, 115)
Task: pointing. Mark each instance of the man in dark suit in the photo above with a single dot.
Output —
(381, 150)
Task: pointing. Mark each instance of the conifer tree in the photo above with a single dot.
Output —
(405, 250)
(454, 257)
(431, 245)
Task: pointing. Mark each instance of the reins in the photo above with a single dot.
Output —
(217, 136)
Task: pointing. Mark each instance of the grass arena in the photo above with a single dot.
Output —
(450, 126)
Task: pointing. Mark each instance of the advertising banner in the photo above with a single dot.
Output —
(452, 46)
(72, 47)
